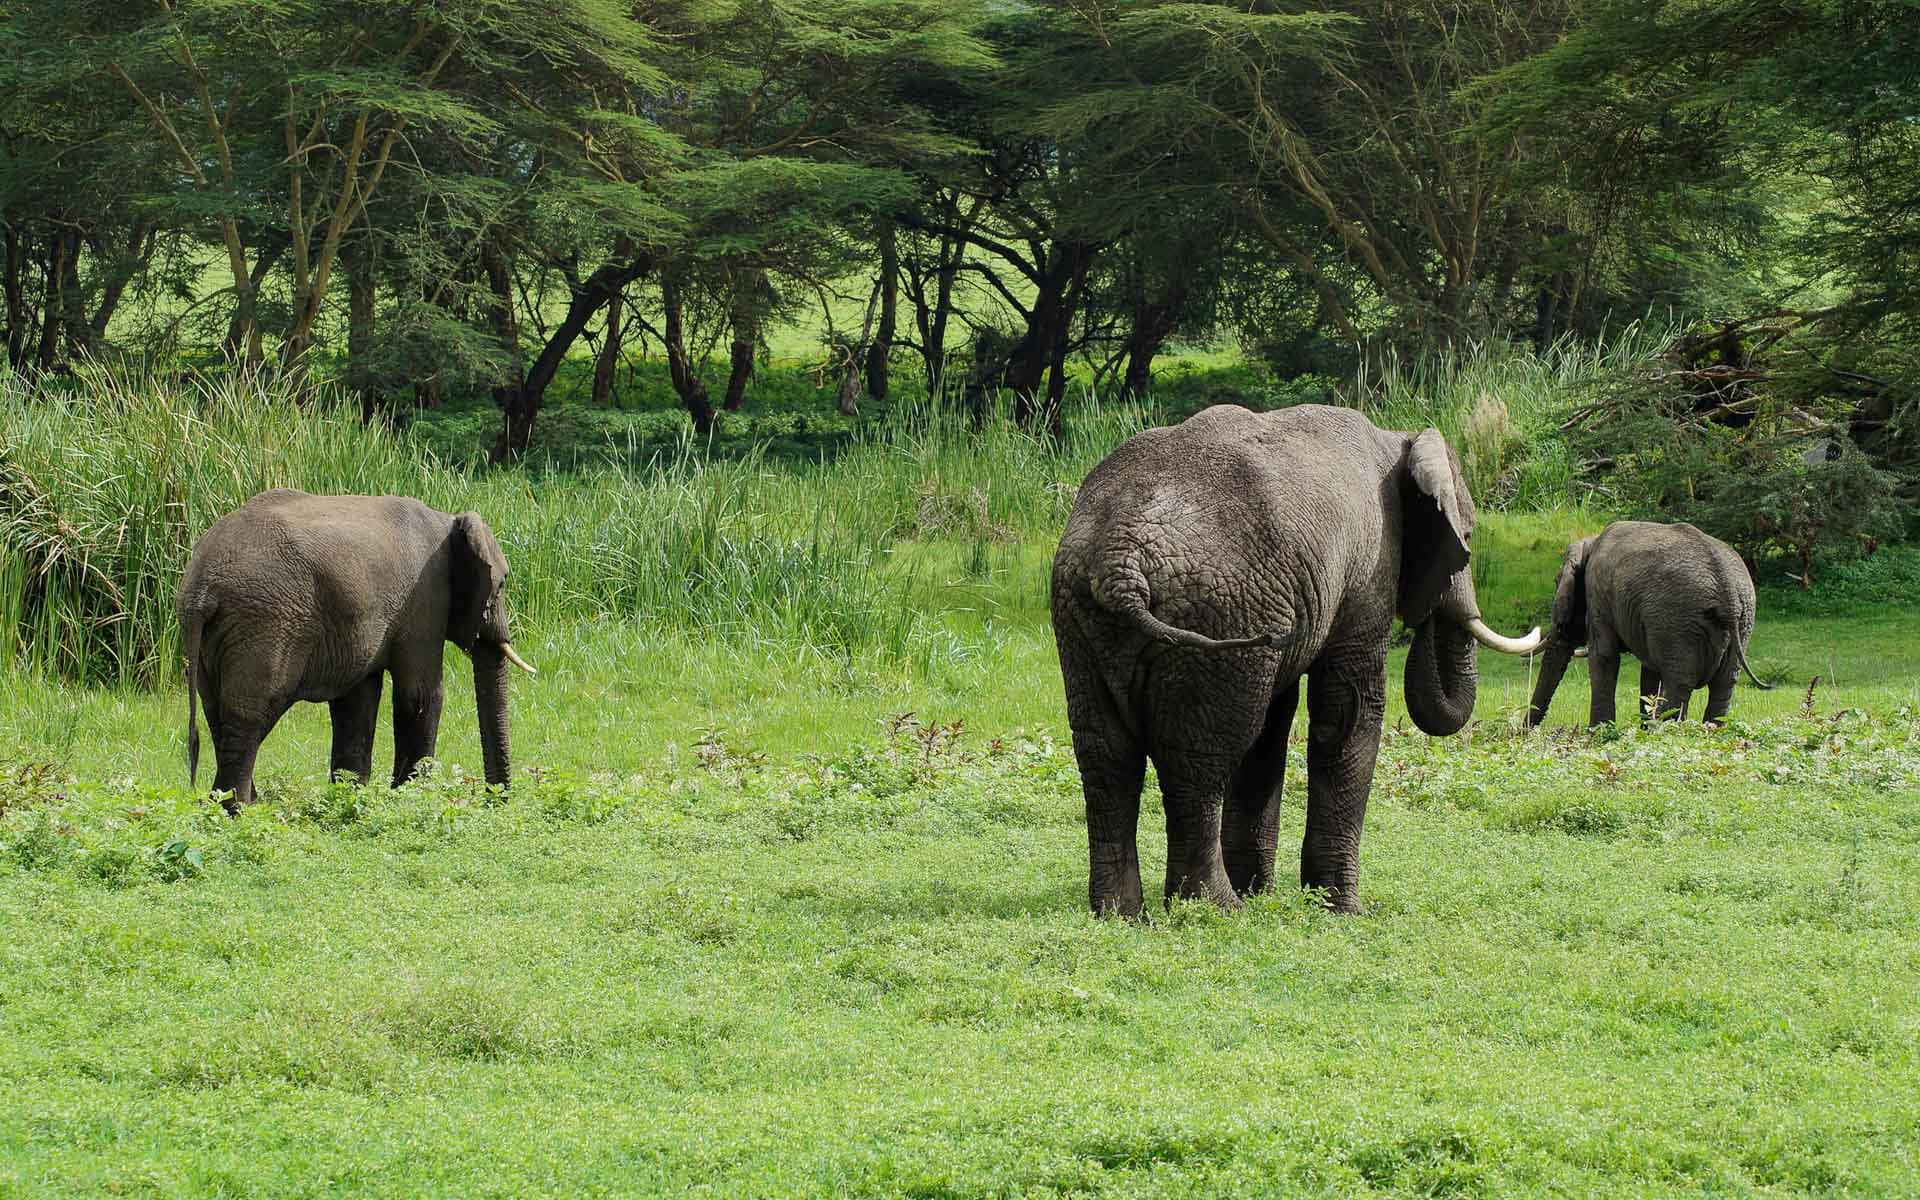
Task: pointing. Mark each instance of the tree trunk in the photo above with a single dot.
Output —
(882, 348)
(360, 315)
(17, 316)
(1048, 322)
(73, 305)
(243, 329)
(510, 394)
(936, 334)
(51, 308)
(119, 274)
(1053, 417)
(691, 389)
(608, 361)
(520, 406)
(933, 334)
(1154, 320)
(743, 316)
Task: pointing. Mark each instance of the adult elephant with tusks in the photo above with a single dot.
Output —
(1677, 599)
(1205, 569)
(297, 597)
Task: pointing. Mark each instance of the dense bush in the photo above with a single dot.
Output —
(1752, 468)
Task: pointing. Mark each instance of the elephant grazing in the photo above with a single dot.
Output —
(1205, 568)
(1673, 597)
(298, 597)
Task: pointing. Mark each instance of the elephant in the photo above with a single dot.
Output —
(1204, 569)
(299, 597)
(1675, 598)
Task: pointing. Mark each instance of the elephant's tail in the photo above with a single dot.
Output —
(1160, 631)
(1740, 653)
(1127, 595)
(193, 625)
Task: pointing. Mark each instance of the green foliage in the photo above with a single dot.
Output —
(1770, 486)
(101, 500)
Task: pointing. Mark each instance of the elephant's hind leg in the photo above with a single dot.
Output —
(1193, 787)
(1720, 688)
(1113, 766)
(236, 745)
(1250, 826)
(354, 715)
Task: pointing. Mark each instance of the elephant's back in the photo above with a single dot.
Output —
(1679, 556)
(285, 547)
(1228, 462)
(1672, 585)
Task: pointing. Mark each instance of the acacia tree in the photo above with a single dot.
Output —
(801, 127)
(1343, 133)
(76, 237)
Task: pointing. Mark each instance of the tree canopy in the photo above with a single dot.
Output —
(426, 198)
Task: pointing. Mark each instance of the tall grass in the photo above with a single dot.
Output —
(104, 491)
(1501, 406)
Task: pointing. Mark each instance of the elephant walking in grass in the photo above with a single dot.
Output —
(1206, 568)
(298, 597)
(1676, 599)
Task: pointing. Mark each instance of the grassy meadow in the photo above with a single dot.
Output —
(788, 897)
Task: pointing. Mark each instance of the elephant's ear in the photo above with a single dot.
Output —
(478, 569)
(1437, 516)
(1570, 593)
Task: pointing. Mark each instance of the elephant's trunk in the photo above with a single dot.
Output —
(1553, 665)
(490, 698)
(1442, 676)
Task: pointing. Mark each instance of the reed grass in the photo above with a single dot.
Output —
(105, 487)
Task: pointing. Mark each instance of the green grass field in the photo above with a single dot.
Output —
(789, 905)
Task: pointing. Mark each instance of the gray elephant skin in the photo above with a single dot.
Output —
(299, 597)
(1675, 598)
(1205, 569)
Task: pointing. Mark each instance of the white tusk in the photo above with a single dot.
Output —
(506, 648)
(1505, 645)
(1580, 653)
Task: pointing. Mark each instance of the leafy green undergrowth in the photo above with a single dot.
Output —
(926, 780)
(1636, 962)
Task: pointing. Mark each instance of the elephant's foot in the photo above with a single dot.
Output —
(1339, 889)
(1126, 903)
(1250, 879)
(1209, 882)
(1344, 903)
(1113, 884)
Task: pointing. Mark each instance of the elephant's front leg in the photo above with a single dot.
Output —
(1653, 695)
(354, 715)
(417, 695)
(1250, 826)
(1603, 674)
(1346, 701)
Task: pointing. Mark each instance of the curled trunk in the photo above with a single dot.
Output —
(1442, 678)
(490, 699)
